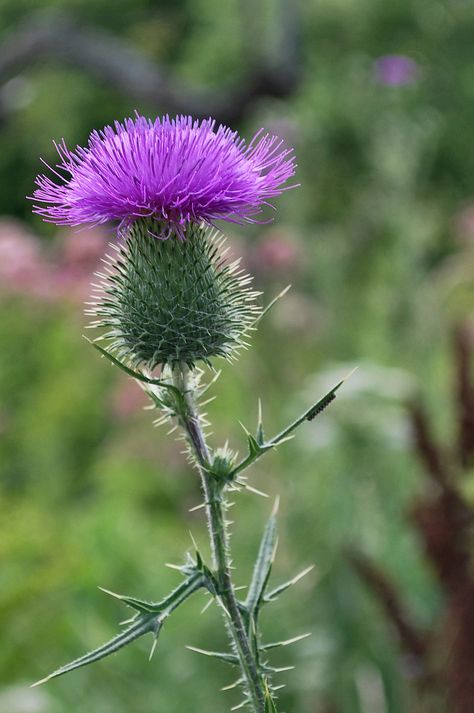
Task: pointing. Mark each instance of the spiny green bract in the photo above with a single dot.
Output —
(170, 301)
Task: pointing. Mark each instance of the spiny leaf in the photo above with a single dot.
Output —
(194, 581)
(271, 596)
(257, 449)
(145, 624)
(150, 619)
(134, 374)
(309, 414)
(222, 656)
(137, 604)
(263, 565)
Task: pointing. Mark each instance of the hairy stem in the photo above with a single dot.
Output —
(219, 536)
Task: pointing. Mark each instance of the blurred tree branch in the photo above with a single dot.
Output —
(444, 518)
(116, 62)
(413, 640)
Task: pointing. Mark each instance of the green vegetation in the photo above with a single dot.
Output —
(379, 245)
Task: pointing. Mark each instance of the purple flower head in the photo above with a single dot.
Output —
(395, 70)
(176, 171)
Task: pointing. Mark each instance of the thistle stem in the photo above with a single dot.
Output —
(219, 537)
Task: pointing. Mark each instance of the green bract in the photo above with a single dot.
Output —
(173, 301)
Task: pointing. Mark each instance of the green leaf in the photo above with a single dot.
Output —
(145, 624)
(138, 604)
(308, 415)
(151, 618)
(257, 448)
(263, 565)
(134, 374)
(195, 581)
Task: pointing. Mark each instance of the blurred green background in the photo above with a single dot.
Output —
(378, 243)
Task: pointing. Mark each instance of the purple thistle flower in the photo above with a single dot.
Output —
(176, 171)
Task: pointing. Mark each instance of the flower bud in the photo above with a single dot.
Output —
(169, 301)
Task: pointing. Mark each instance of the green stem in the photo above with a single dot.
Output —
(219, 536)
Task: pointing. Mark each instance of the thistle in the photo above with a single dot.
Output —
(168, 301)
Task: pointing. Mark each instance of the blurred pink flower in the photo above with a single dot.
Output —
(23, 268)
(277, 252)
(80, 257)
(463, 224)
(127, 399)
(395, 70)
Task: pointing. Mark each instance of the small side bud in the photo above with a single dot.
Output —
(222, 465)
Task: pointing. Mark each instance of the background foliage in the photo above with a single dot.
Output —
(379, 245)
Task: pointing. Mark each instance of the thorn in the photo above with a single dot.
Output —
(153, 647)
(256, 492)
(206, 606)
(241, 705)
(270, 305)
(221, 603)
(259, 411)
(348, 376)
(284, 291)
(193, 541)
(197, 507)
(270, 597)
(128, 621)
(251, 489)
(112, 594)
(246, 431)
(40, 683)
(287, 642)
(282, 669)
(232, 685)
(303, 574)
(173, 566)
(276, 506)
(200, 651)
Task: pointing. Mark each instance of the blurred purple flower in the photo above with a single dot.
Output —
(78, 260)
(278, 251)
(174, 171)
(395, 70)
(127, 399)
